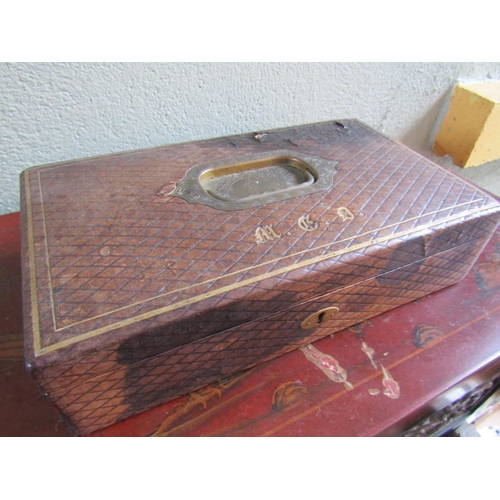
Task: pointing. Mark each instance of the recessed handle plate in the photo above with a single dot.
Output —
(255, 180)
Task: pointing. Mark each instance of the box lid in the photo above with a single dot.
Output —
(113, 256)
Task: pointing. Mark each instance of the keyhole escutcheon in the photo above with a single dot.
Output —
(319, 317)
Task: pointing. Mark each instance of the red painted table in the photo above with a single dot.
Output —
(377, 378)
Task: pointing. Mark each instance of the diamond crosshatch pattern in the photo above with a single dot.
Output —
(111, 397)
(108, 262)
(319, 279)
(125, 273)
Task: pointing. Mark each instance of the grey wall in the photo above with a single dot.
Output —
(55, 112)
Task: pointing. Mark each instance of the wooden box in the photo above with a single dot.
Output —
(149, 274)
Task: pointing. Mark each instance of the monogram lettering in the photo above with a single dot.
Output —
(306, 224)
(345, 214)
(265, 234)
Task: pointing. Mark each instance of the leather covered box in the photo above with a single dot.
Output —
(149, 274)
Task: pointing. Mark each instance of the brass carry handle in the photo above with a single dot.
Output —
(255, 180)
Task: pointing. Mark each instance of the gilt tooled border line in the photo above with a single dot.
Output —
(39, 350)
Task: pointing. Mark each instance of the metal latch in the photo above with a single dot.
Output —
(319, 317)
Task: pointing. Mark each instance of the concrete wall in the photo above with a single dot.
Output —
(55, 112)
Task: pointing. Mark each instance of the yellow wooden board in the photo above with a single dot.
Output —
(470, 131)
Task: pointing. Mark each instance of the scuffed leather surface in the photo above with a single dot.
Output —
(111, 245)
